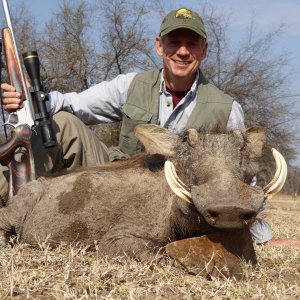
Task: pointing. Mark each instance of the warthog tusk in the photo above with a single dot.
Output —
(276, 184)
(176, 185)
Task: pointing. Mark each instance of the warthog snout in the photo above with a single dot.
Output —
(229, 217)
(236, 207)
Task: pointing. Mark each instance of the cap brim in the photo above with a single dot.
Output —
(184, 26)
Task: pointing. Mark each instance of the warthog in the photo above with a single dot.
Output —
(139, 205)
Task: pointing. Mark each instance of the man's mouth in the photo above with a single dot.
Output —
(183, 63)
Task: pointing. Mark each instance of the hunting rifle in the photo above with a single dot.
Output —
(24, 120)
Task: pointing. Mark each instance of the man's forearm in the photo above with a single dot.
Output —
(100, 103)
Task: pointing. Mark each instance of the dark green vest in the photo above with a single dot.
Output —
(212, 110)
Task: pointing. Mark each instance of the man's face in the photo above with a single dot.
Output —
(182, 51)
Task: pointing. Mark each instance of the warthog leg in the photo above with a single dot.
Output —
(13, 215)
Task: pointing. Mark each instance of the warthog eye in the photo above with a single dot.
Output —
(250, 179)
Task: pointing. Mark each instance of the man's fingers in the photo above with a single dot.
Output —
(11, 99)
(11, 107)
(7, 87)
(11, 95)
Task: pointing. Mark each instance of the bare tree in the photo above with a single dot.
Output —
(25, 27)
(292, 186)
(68, 52)
(125, 41)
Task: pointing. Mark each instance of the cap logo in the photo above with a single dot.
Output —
(184, 13)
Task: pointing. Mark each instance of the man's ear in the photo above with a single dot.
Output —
(256, 137)
(156, 140)
(204, 50)
(159, 46)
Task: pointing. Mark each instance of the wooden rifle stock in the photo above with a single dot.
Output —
(12, 66)
(22, 169)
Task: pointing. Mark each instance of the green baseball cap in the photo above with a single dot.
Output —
(182, 18)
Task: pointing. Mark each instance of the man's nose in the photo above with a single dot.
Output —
(183, 50)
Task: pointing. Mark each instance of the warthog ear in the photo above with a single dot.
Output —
(156, 140)
(256, 136)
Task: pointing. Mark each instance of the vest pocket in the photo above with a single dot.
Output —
(132, 116)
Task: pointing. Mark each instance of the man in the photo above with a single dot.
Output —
(176, 97)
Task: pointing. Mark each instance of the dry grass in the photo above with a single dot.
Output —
(74, 272)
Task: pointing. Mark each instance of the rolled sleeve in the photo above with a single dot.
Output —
(98, 104)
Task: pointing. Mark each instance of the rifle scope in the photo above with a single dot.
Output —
(32, 65)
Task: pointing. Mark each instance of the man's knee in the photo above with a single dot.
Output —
(64, 122)
(79, 144)
(65, 127)
(64, 117)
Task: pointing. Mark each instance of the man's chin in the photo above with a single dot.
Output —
(182, 74)
(183, 71)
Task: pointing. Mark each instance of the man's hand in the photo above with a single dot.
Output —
(10, 98)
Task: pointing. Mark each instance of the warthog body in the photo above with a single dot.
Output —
(129, 207)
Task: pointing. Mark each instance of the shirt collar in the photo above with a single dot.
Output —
(193, 89)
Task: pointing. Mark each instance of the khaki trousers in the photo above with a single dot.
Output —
(76, 146)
